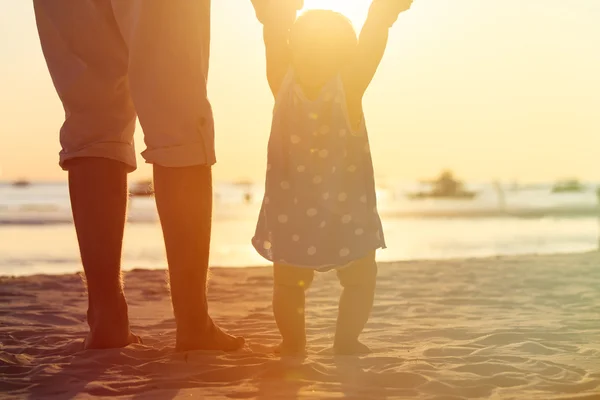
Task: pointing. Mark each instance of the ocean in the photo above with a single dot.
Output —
(37, 235)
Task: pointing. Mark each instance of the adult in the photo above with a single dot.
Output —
(113, 61)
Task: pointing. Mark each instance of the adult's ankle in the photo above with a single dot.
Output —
(109, 311)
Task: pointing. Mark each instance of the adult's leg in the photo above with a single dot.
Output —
(168, 66)
(184, 200)
(87, 60)
(289, 287)
(358, 280)
(98, 190)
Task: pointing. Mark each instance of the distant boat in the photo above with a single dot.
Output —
(21, 183)
(444, 187)
(568, 186)
(246, 186)
(142, 189)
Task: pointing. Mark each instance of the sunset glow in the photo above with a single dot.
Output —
(505, 90)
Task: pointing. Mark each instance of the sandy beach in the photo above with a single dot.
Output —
(525, 327)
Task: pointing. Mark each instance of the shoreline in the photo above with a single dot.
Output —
(383, 264)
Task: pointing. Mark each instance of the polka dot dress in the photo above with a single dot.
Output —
(319, 209)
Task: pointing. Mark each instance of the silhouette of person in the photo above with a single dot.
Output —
(319, 212)
(112, 62)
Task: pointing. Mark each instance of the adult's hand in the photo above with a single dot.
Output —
(387, 11)
(269, 11)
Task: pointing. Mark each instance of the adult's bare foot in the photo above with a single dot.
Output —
(351, 349)
(285, 349)
(212, 339)
(113, 340)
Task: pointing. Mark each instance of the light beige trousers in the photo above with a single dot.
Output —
(114, 60)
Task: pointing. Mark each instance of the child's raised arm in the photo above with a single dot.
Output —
(277, 17)
(372, 43)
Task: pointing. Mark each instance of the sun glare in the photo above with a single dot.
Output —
(355, 10)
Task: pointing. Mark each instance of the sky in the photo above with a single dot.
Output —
(505, 90)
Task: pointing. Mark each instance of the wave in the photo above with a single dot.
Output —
(27, 262)
(521, 213)
(8, 220)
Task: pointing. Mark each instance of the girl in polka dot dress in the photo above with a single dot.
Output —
(319, 211)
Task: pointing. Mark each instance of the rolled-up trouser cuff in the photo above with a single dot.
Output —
(122, 152)
(187, 155)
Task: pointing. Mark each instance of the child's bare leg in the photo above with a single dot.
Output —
(290, 285)
(355, 306)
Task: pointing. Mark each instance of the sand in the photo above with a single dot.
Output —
(524, 327)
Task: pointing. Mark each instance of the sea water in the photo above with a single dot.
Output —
(37, 235)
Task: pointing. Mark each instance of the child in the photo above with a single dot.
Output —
(319, 211)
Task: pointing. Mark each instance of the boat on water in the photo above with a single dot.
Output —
(246, 186)
(445, 186)
(21, 183)
(142, 188)
(568, 186)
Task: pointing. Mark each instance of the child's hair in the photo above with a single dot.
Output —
(321, 32)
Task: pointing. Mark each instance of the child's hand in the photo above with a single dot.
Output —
(387, 11)
(271, 12)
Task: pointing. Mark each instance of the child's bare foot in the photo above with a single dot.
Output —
(284, 349)
(212, 339)
(355, 348)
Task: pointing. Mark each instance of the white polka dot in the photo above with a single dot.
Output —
(313, 116)
(344, 252)
(352, 168)
(342, 196)
(363, 199)
(296, 238)
(324, 130)
(312, 250)
(267, 245)
(269, 166)
(295, 200)
(295, 139)
(323, 153)
(315, 133)
(343, 132)
(267, 200)
(322, 224)
(282, 218)
(326, 196)
(317, 179)
(285, 185)
(301, 168)
(359, 231)
(346, 219)
(311, 212)
(333, 169)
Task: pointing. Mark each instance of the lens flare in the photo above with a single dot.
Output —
(355, 10)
